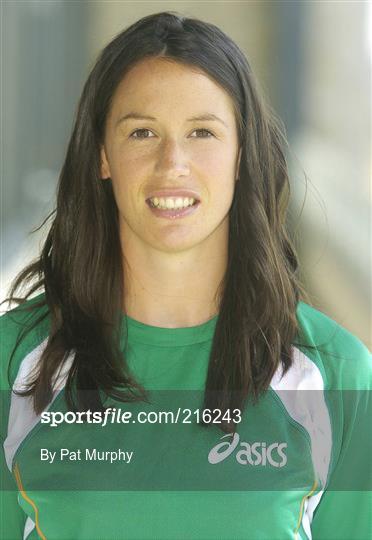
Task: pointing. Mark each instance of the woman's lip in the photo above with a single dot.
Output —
(173, 193)
(173, 213)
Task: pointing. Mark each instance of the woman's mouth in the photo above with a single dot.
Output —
(172, 207)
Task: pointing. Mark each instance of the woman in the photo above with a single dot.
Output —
(169, 283)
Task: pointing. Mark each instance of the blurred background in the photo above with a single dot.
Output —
(313, 61)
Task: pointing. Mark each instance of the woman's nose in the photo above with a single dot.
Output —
(172, 159)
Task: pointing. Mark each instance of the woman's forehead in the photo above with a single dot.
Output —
(166, 85)
(161, 66)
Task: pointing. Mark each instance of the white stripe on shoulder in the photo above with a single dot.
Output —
(310, 504)
(22, 417)
(301, 391)
(29, 527)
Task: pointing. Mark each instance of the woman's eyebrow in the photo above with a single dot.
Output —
(207, 116)
(199, 118)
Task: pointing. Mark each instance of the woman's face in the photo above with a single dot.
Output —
(171, 150)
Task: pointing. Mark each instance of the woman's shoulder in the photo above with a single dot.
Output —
(343, 359)
(22, 329)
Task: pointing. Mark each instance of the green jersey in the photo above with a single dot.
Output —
(296, 467)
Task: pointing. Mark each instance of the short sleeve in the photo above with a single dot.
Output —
(345, 509)
(12, 517)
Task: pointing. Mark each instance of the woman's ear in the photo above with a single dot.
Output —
(105, 168)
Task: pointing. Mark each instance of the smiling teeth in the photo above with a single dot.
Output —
(169, 203)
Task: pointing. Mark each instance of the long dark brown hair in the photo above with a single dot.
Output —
(80, 266)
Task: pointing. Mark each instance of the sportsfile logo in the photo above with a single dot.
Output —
(256, 453)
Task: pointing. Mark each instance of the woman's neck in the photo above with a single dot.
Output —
(173, 289)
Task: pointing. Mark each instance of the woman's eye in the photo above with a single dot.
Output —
(143, 133)
(206, 134)
(140, 134)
